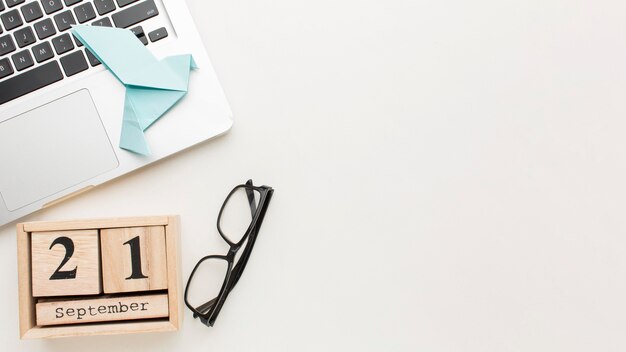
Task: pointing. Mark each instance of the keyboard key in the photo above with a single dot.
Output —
(92, 59)
(104, 6)
(104, 22)
(71, 2)
(121, 3)
(64, 20)
(62, 44)
(6, 44)
(29, 81)
(135, 14)
(42, 52)
(1, 9)
(5, 68)
(74, 63)
(11, 19)
(32, 11)
(158, 34)
(22, 60)
(51, 6)
(85, 12)
(12, 3)
(24, 37)
(138, 32)
(44, 28)
(78, 42)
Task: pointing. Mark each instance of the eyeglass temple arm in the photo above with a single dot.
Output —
(205, 307)
(238, 269)
(251, 199)
(252, 237)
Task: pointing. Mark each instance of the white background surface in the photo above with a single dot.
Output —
(449, 176)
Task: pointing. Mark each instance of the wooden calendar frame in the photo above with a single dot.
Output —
(27, 320)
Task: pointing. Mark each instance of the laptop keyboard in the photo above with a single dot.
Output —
(36, 48)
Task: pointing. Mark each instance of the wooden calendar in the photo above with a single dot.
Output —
(99, 276)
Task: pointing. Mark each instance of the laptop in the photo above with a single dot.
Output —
(61, 110)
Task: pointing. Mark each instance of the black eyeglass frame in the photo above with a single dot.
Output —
(209, 311)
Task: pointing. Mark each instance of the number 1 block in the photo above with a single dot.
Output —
(65, 263)
(133, 259)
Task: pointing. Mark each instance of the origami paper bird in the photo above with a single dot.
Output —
(152, 86)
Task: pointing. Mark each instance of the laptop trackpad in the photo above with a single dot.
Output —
(52, 148)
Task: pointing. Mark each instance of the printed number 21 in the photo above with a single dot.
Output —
(135, 259)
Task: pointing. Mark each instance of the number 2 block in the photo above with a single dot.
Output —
(133, 259)
(65, 263)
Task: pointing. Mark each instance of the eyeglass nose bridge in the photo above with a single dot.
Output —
(234, 248)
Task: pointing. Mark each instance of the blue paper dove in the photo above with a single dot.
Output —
(152, 86)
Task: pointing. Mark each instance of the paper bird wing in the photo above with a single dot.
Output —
(129, 60)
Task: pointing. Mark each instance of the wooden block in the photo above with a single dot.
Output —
(65, 263)
(29, 328)
(134, 259)
(26, 300)
(88, 224)
(112, 328)
(173, 266)
(102, 309)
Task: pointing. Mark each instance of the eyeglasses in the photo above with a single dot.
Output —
(214, 276)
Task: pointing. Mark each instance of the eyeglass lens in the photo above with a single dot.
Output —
(236, 216)
(206, 283)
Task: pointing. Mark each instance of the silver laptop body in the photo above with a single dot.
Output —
(63, 138)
